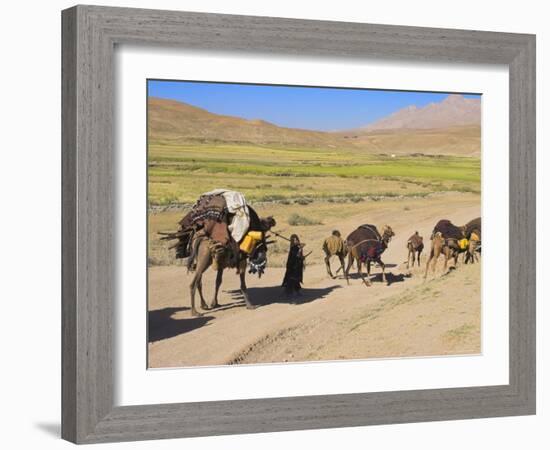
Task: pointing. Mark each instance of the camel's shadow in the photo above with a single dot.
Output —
(263, 296)
(162, 325)
(377, 277)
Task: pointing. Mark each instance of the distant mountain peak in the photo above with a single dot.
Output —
(454, 110)
(454, 98)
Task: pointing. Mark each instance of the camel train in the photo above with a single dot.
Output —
(223, 232)
(365, 245)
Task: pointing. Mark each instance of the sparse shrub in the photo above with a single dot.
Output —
(290, 187)
(167, 200)
(303, 201)
(272, 198)
(298, 220)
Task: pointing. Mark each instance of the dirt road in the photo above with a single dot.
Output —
(331, 320)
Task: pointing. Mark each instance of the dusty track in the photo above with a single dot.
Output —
(332, 320)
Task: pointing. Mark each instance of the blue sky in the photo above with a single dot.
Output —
(295, 107)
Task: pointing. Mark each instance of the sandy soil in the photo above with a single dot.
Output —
(332, 320)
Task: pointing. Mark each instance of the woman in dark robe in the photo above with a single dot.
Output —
(294, 267)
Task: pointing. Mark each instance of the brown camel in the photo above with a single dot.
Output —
(334, 245)
(415, 245)
(445, 241)
(366, 245)
(206, 252)
(204, 258)
(439, 247)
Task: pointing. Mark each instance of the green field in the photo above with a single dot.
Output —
(178, 174)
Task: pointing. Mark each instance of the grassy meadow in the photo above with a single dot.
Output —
(306, 189)
(180, 173)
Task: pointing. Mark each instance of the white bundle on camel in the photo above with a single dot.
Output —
(236, 204)
(223, 217)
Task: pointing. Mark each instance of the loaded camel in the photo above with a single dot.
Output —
(415, 245)
(447, 240)
(334, 245)
(207, 253)
(366, 245)
(222, 231)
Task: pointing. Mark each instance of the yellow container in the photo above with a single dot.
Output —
(250, 241)
(463, 244)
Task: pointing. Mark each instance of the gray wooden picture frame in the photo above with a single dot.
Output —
(89, 37)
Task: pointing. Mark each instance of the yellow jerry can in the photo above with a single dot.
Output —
(463, 244)
(250, 241)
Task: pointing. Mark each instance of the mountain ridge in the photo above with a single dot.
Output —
(454, 110)
(171, 121)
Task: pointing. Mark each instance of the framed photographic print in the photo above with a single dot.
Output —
(268, 222)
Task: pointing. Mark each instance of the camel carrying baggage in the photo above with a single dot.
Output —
(230, 227)
(222, 231)
(221, 215)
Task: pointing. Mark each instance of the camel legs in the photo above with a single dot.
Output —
(219, 276)
(244, 291)
(360, 272)
(327, 263)
(430, 258)
(471, 253)
(350, 262)
(468, 256)
(449, 254)
(342, 263)
(203, 262)
(384, 279)
(434, 255)
(199, 288)
(418, 257)
(474, 255)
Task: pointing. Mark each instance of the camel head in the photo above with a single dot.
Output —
(267, 223)
(438, 236)
(387, 233)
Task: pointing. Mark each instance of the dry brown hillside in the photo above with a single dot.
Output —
(179, 122)
(461, 140)
(174, 122)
